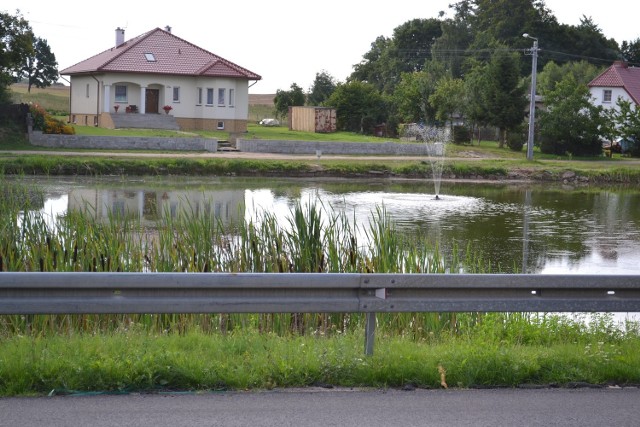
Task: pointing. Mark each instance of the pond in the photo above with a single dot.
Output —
(529, 228)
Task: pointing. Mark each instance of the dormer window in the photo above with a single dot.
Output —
(150, 57)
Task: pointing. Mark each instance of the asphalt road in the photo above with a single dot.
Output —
(321, 407)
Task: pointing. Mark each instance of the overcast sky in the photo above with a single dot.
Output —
(284, 41)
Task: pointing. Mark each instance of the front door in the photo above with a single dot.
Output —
(151, 101)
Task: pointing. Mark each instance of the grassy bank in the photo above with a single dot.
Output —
(492, 169)
(547, 352)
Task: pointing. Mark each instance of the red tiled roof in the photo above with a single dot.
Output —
(620, 75)
(172, 54)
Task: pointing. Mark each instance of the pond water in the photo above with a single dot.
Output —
(518, 228)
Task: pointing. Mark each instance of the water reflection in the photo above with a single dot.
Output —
(538, 229)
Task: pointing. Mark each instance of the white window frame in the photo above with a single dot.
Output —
(220, 125)
(176, 94)
(607, 95)
(209, 96)
(150, 57)
(121, 98)
(222, 94)
(232, 97)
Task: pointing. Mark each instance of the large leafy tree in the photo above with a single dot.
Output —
(406, 51)
(321, 89)
(411, 97)
(359, 106)
(572, 124)
(16, 43)
(449, 98)
(40, 68)
(582, 72)
(294, 97)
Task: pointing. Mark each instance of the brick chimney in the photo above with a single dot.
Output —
(119, 36)
(621, 64)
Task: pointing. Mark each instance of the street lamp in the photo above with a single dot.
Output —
(532, 101)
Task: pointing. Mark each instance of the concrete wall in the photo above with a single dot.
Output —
(329, 147)
(123, 142)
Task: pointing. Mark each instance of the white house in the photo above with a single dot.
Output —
(157, 69)
(617, 81)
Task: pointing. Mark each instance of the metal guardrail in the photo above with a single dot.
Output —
(96, 293)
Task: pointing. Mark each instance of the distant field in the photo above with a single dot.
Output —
(53, 98)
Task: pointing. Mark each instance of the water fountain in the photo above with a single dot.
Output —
(435, 140)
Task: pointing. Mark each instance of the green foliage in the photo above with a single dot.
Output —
(449, 98)
(288, 98)
(516, 138)
(582, 72)
(626, 125)
(461, 135)
(405, 52)
(504, 93)
(16, 43)
(412, 95)
(631, 51)
(572, 124)
(40, 68)
(358, 105)
(321, 89)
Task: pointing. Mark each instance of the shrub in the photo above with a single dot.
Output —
(461, 135)
(516, 138)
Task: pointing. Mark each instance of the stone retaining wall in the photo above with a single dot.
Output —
(123, 142)
(329, 147)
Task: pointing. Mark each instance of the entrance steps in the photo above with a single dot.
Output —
(145, 121)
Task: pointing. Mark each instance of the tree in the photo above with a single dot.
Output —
(504, 94)
(449, 98)
(411, 97)
(40, 68)
(16, 43)
(631, 51)
(572, 124)
(582, 71)
(407, 51)
(625, 124)
(321, 89)
(288, 98)
(359, 106)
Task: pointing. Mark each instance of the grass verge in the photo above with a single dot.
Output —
(135, 360)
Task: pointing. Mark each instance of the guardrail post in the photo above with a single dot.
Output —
(369, 333)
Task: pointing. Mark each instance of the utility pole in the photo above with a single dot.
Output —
(532, 100)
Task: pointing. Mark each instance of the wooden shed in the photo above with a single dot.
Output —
(312, 119)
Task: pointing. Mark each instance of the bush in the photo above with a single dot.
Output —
(461, 135)
(47, 124)
(516, 139)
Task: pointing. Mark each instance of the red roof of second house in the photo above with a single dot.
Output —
(170, 55)
(620, 75)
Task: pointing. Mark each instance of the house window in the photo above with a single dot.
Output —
(176, 94)
(121, 93)
(199, 96)
(87, 90)
(221, 96)
(606, 95)
(209, 96)
(232, 96)
(150, 57)
(220, 125)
